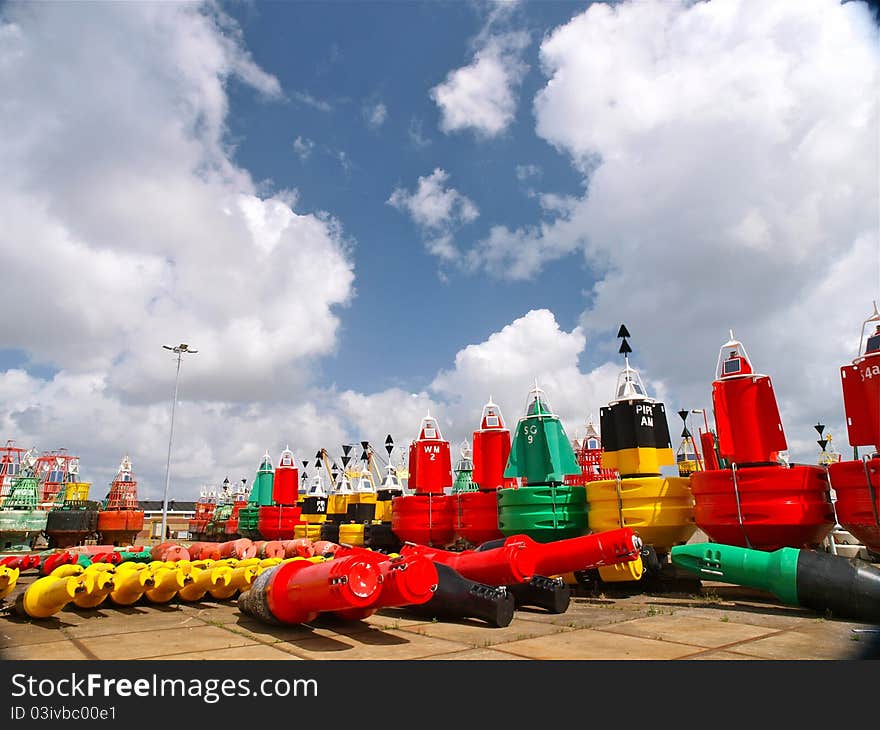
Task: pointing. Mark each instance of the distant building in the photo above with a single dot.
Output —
(179, 515)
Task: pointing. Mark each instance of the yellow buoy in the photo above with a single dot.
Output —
(130, 583)
(240, 580)
(168, 581)
(47, 596)
(620, 572)
(99, 585)
(8, 579)
(66, 571)
(660, 509)
(205, 579)
(352, 535)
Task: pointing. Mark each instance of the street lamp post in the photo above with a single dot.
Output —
(179, 350)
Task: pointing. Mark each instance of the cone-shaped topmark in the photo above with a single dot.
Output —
(345, 460)
(625, 349)
(365, 456)
(365, 445)
(822, 443)
(623, 331)
(820, 427)
(346, 448)
(685, 434)
(683, 415)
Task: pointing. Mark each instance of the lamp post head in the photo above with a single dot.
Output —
(182, 347)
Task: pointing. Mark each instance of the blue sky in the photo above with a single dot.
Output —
(353, 55)
(361, 211)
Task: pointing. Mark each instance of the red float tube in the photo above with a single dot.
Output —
(169, 551)
(500, 566)
(407, 580)
(300, 590)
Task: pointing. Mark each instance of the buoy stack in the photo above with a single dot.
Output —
(856, 483)
(21, 519)
(635, 436)
(756, 500)
(278, 520)
(121, 520)
(477, 508)
(261, 496)
(427, 516)
(542, 506)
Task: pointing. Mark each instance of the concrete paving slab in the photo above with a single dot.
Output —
(115, 623)
(594, 644)
(720, 655)
(821, 640)
(373, 644)
(23, 632)
(252, 651)
(742, 614)
(163, 642)
(52, 650)
(475, 654)
(479, 634)
(694, 631)
(267, 633)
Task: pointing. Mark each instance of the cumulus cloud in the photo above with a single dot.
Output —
(481, 96)
(128, 225)
(730, 156)
(437, 210)
(504, 366)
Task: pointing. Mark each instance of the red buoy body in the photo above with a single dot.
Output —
(769, 507)
(276, 522)
(476, 516)
(857, 486)
(426, 519)
(747, 418)
(491, 449)
(430, 465)
(285, 486)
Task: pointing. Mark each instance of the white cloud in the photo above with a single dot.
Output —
(375, 114)
(731, 156)
(305, 98)
(524, 172)
(128, 225)
(437, 209)
(482, 95)
(303, 147)
(415, 134)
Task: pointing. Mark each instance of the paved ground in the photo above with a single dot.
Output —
(716, 621)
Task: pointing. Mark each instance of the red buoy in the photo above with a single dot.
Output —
(756, 501)
(430, 465)
(476, 516)
(491, 450)
(285, 487)
(857, 483)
